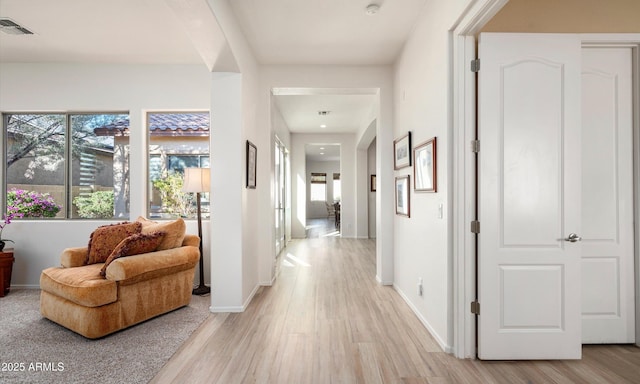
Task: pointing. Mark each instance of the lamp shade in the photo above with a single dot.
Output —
(196, 180)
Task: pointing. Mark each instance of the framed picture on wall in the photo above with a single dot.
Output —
(424, 167)
(403, 207)
(402, 152)
(373, 183)
(252, 157)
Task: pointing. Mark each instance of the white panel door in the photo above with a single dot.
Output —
(608, 310)
(529, 196)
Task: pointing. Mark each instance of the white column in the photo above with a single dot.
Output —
(227, 149)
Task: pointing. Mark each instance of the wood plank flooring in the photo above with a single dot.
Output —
(326, 320)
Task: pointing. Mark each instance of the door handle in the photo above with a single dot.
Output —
(573, 238)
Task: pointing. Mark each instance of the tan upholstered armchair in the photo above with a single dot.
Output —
(134, 288)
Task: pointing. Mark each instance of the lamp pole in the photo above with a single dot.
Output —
(202, 289)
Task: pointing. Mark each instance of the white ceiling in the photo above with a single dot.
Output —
(81, 31)
(332, 32)
(322, 152)
(326, 31)
(346, 113)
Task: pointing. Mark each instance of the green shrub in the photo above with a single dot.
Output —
(174, 201)
(97, 205)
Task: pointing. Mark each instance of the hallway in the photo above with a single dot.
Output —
(327, 320)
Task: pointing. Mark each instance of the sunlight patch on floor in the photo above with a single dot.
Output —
(290, 260)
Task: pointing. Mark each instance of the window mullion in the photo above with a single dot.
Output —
(68, 154)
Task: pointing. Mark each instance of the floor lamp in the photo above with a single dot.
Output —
(197, 180)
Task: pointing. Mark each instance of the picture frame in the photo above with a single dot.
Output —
(425, 166)
(252, 157)
(403, 203)
(373, 183)
(402, 152)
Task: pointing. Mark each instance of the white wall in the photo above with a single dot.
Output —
(73, 87)
(318, 209)
(422, 243)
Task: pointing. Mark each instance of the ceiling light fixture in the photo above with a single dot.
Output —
(12, 28)
(372, 9)
(323, 125)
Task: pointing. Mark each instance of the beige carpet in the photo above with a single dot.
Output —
(43, 352)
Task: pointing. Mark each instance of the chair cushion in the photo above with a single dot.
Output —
(104, 239)
(81, 285)
(134, 245)
(174, 231)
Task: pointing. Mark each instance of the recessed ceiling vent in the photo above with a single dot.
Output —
(323, 113)
(11, 27)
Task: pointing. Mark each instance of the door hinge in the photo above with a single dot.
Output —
(475, 65)
(475, 307)
(475, 226)
(475, 146)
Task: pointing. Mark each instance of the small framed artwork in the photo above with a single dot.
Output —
(403, 207)
(252, 157)
(424, 167)
(402, 152)
(373, 183)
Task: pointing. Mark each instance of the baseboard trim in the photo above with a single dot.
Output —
(226, 309)
(446, 348)
(25, 286)
(379, 280)
(236, 309)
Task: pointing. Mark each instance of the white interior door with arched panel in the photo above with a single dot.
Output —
(529, 196)
(608, 304)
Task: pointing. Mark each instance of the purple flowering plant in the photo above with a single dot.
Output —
(23, 204)
(7, 221)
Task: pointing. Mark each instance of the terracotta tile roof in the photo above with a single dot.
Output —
(163, 124)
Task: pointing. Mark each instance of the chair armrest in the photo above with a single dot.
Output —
(131, 269)
(191, 240)
(74, 257)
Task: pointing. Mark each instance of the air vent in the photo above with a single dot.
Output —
(323, 113)
(11, 27)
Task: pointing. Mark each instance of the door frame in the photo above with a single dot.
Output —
(464, 195)
(463, 119)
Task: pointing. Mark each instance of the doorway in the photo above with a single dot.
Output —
(324, 193)
(534, 295)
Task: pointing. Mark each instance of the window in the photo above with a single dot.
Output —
(337, 191)
(66, 165)
(318, 187)
(177, 140)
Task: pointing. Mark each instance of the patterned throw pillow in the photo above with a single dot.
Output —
(134, 245)
(175, 231)
(104, 239)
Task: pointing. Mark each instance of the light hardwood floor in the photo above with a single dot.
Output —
(326, 320)
(322, 228)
